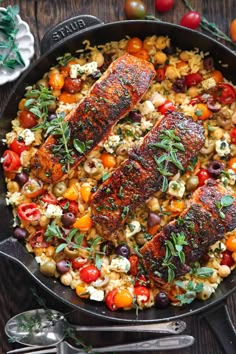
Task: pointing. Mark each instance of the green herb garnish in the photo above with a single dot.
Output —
(225, 201)
(191, 291)
(38, 102)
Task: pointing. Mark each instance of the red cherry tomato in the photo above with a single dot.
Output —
(27, 119)
(224, 93)
(135, 9)
(143, 293)
(164, 5)
(48, 199)
(193, 79)
(133, 264)
(37, 239)
(78, 262)
(233, 136)
(141, 280)
(227, 259)
(203, 175)
(10, 161)
(28, 212)
(166, 107)
(109, 299)
(160, 74)
(33, 188)
(18, 145)
(191, 19)
(89, 274)
(72, 85)
(69, 205)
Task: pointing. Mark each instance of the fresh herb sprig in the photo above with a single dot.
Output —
(171, 144)
(210, 26)
(224, 202)
(191, 289)
(10, 56)
(38, 102)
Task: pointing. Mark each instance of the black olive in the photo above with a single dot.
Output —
(208, 63)
(68, 219)
(179, 85)
(51, 116)
(153, 219)
(20, 233)
(169, 50)
(135, 116)
(215, 168)
(123, 250)
(161, 300)
(21, 178)
(62, 266)
(107, 247)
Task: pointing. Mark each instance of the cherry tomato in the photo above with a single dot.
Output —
(37, 239)
(133, 264)
(69, 205)
(167, 107)
(28, 212)
(143, 293)
(48, 199)
(27, 119)
(123, 298)
(73, 85)
(224, 93)
(232, 30)
(56, 81)
(227, 259)
(141, 280)
(160, 74)
(191, 19)
(18, 145)
(232, 164)
(89, 274)
(109, 299)
(164, 5)
(203, 175)
(142, 54)
(193, 79)
(231, 243)
(10, 161)
(134, 45)
(135, 9)
(233, 136)
(33, 188)
(78, 262)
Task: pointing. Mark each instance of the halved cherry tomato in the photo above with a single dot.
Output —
(89, 273)
(108, 160)
(203, 175)
(48, 199)
(37, 239)
(160, 74)
(142, 54)
(233, 135)
(33, 188)
(133, 264)
(224, 93)
(78, 262)
(134, 45)
(141, 280)
(10, 161)
(227, 258)
(28, 212)
(191, 19)
(56, 80)
(67, 97)
(231, 243)
(217, 76)
(232, 164)
(143, 293)
(69, 205)
(202, 112)
(193, 79)
(73, 85)
(109, 299)
(18, 145)
(167, 107)
(27, 119)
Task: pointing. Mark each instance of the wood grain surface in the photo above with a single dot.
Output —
(15, 283)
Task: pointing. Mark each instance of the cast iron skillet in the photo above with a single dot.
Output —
(98, 34)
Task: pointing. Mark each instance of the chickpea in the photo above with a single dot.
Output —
(44, 221)
(185, 55)
(38, 251)
(98, 58)
(66, 279)
(193, 91)
(50, 250)
(205, 293)
(162, 42)
(214, 277)
(59, 189)
(224, 271)
(48, 268)
(160, 57)
(192, 183)
(180, 97)
(171, 72)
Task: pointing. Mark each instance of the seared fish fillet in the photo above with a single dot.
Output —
(117, 91)
(137, 178)
(202, 224)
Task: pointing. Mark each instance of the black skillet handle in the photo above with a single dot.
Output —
(218, 318)
(67, 28)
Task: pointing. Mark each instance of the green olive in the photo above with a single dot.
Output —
(71, 253)
(48, 268)
(59, 189)
(192, 183)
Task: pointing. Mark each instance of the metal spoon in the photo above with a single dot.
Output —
(47, 327)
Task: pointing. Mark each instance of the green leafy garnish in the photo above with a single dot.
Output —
(224, 202)
(38, 102)
(191, 290)
(10, 56)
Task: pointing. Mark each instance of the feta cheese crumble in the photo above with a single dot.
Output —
(222, 147)
(133, 228)
(176, 188)
(53, 211)
(28, 136)
(120, 264)
(95, 294)
(86, 69)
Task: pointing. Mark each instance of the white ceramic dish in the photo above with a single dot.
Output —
(25, 43)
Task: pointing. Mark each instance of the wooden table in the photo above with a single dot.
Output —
(15, 284)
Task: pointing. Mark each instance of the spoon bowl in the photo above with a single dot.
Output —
(48, 327)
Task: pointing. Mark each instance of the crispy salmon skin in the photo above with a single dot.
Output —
(117, 91)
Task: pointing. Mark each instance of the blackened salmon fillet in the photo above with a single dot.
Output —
(117, 91)
(204, 222)
(144, 172)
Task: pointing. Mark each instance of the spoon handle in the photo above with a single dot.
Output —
(173, 327)
(166, 343)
